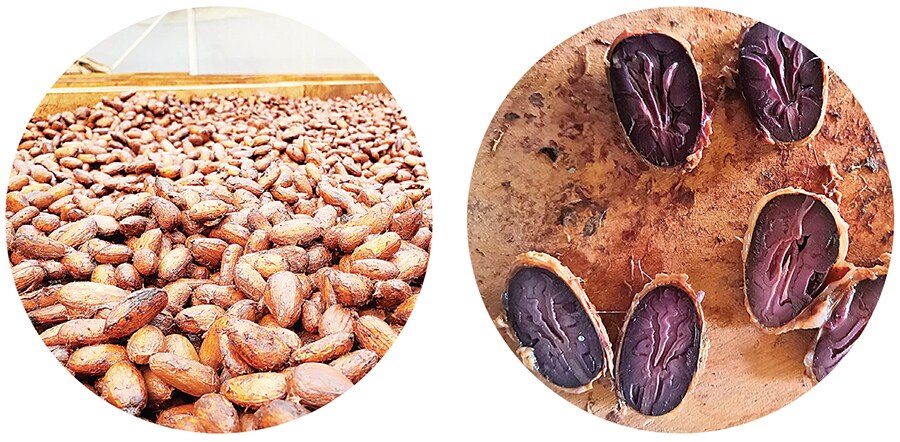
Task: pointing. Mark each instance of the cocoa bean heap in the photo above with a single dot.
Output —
(223, 263)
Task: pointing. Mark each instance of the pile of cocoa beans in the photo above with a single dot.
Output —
(220, 264)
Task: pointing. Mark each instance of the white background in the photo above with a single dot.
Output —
(229, 41)
(449, 376)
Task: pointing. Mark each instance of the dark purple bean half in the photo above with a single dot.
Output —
(656, 88)
(783, 82)
(795, 243)
(547, 316)
(843, 327)
(660, 351)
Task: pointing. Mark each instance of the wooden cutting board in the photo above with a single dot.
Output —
(554, 175)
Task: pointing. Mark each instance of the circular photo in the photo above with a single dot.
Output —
(218, 220)
(680, 219)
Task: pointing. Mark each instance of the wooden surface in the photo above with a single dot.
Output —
(612, 219)
(73, 90)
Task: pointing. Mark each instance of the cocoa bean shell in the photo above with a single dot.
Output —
(324, 349)
(216, 414)
(169, 416)
(145, 342)
(95, 360)
(249, 281)
(210, 352)
(401, 314)
(52, 314)
(76, 233)
(337, 319)
(220, 295)
(374, 334)
(355, 365)
(123, 386)
(37, 246)
(184, 374)
(255, 390)
(284, 296)
(158, 391)
(383, 246)
(351, 289)
(299, 231)
(174, 265)
(411, 261)
(85, 298)
(199, 318)
(316, 385)
(135, 311)
(257, 345)
(43, 297)
(79, 265)
(377, 269)
(27, 275)
(277, 412)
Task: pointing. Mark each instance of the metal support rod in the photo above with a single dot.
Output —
(137, 42)
(192, 42)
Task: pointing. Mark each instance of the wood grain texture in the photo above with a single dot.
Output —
(73, 90)
(614, 220)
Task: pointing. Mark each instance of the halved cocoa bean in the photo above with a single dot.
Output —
(656, 87)
(662, 346)
(560, 335)
(785, 84)
(847, 321)
(793, 255)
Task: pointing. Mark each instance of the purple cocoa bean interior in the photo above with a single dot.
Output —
(660, 351)
(846, 323)
(794, 245)
(782, 81)
(657, 93)
(546, 315)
